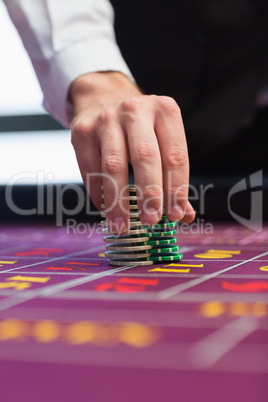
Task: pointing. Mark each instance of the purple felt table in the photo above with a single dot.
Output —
(73, 328)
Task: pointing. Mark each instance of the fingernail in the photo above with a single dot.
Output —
(118, 225)
(177, 213)
(150, 216)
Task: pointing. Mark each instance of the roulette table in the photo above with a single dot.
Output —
(74, 328)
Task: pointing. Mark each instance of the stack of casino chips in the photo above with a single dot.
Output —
(163, 242)
(143, 245)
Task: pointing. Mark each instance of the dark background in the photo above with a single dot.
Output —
(212, 57)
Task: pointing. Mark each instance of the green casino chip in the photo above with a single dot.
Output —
(174, 257)
(162, 234)
(164, 250)
(161, 242)
(161, 225)
(164, 220)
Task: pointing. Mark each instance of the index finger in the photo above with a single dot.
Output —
(174, 154)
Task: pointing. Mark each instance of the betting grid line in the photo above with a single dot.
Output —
(194, 297)
(155, 275)
(91, 294)
(164, 294)
(147, 297)
(21, 257)
(182, 275)
(114, 270)
(191, 297)
(98, 248)
(101, 258)
(63, 273)
(94, 249)
(223, 245)
(41, 257)
(188, 297)
(211, 349)
(9, 303)
(48, 290)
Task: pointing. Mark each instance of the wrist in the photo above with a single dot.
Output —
(99, 88)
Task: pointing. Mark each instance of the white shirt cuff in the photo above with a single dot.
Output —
(98, 54)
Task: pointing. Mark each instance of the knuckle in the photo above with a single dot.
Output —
(113, 164)
(108, 115)
(168, 105)
(131, 105)
(145, 150)
(82, 129)
(152, 192)
(154, 98)
(177, 157)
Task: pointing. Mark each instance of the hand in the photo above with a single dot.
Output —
(113, 123)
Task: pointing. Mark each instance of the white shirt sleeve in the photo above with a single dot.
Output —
(65, 39)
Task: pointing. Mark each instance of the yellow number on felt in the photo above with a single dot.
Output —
(178, 270)
(185, 271)
(218, 254)
(7, 262)
(28, 279)
(21, 282)
(264, 268)
(15, 285)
